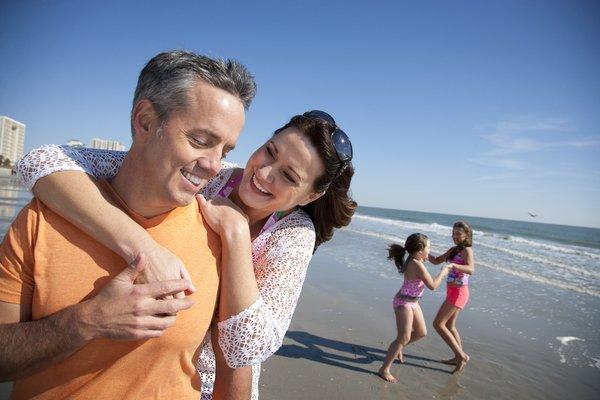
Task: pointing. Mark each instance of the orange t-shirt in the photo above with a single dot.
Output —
(49, 263)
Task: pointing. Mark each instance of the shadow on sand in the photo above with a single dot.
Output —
(341, 354)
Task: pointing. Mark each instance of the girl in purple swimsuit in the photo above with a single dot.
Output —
(462, 265)
(409, 317)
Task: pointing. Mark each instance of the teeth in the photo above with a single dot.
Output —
(192, 178)
(262, 189)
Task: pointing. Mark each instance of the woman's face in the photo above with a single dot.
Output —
(281, 173)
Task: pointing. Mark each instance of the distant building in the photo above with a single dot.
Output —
(12, 136)
(106, 144)
(75, 143)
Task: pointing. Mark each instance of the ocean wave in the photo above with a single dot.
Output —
(447, 231)
(388, 238)
(416, 226)
(542, 260)
(576, 250)
(541, 279)
(561, 284)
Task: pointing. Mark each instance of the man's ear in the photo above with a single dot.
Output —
(311, 197)
(144, 119)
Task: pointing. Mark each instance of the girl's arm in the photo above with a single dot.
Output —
(469, 266)
(439, 259)
(259, 292)
(77, 197)
(423, 274)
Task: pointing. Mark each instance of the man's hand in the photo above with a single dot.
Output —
(127, 311)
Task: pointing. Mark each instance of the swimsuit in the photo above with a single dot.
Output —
(457, 285)
(409, 293)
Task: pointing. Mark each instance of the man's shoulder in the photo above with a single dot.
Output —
(29, 216)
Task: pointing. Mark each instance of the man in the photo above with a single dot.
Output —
(68, 329)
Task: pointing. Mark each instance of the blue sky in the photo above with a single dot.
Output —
(466, 107)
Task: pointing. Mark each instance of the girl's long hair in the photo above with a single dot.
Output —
(468, 242)
(414, 243)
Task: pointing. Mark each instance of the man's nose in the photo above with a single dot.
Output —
(210, 164)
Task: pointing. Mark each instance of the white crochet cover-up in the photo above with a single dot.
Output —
(280, 255)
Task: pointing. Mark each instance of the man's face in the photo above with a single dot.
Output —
(185, 151)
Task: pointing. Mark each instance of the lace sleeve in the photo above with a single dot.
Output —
(257, 332)
(48, 159)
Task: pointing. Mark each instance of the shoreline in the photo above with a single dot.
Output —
(344, 323)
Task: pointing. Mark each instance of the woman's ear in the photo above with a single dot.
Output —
(311, 197)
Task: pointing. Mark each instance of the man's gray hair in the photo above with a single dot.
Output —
(168, 76)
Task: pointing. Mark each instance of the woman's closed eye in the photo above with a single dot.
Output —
(286, 175)
(288, 178)
(270, 151)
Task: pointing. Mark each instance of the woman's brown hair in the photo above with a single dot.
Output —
(335, 208)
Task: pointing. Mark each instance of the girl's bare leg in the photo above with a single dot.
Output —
(451, 325)
(404, 322)
(419, 329)
(444, 314)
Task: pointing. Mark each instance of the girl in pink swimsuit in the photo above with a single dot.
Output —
(409, 317)
(462, 265)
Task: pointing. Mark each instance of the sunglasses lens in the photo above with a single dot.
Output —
(340, 140)
(342, 145)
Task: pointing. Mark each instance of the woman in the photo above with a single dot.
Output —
(271, 217)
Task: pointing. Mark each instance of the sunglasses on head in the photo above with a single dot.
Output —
(341, 141)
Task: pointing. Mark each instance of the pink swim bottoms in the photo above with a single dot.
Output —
(399, 301)
(457, 295)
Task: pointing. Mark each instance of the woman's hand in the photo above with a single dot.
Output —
(162, 265)
(222, 215)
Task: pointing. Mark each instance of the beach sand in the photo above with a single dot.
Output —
(344, 323)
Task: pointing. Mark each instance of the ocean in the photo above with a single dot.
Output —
(13, 197)
(535, 282)
(566, 257)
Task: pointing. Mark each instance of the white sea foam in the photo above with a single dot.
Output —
(564, 341)
(393, 238)
(556, 248)
(389, 238)
(511, 271)
(414, 226)
(542, 279)
(542, 260)
(447, 230)
(574, 278)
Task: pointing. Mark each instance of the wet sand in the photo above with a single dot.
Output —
(344, 323)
